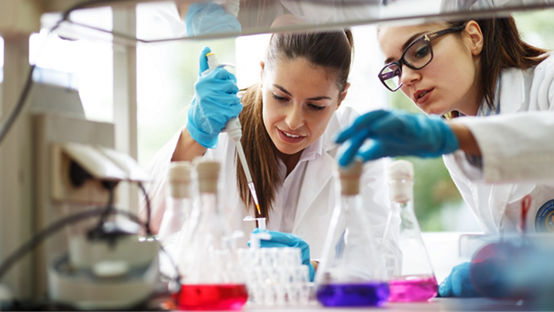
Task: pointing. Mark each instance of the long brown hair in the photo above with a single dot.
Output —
(328, 49)
(502, 48)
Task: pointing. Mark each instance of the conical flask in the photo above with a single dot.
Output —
(413, 278)
(178, 204)
(351, 273)
(177, 213)
(211, 277)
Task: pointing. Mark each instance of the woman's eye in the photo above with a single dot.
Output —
(422, 51)
(316, 107)
(279, 98)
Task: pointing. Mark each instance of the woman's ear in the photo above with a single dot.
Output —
(262, 66)
(475, 36)
(342, 94)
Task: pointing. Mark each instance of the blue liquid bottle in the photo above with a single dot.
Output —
(351, 273)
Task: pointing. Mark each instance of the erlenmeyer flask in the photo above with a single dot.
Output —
(413, 279)
(176, 215)
(211, 276)
(351, 273)
(178, 204)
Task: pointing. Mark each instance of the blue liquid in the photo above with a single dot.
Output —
(353, 295)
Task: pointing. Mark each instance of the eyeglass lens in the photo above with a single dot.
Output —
(416, 57)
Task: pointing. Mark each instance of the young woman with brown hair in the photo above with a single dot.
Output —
(473, 68)
(288, 123)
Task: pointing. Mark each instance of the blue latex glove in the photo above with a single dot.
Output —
(215, 102)
(209, 17)
(458, 283)
(280, 239)
(396, 133)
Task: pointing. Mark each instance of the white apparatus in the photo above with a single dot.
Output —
(413, 278)
(234, 129)
(175, 230)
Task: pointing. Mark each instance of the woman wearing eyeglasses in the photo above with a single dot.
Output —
(469, 69)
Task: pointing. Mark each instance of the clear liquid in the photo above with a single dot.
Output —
(371, 294)
(211, 297)
(413, 288)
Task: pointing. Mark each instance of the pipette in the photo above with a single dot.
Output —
(234, 130)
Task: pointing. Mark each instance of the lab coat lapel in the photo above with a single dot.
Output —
(319, 172)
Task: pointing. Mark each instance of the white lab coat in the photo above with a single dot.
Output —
(498, 206)
(317, 195)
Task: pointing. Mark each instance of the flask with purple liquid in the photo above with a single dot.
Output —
(351, 273)
(411, 276)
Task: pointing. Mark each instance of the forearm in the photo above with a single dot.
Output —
(466, 140)
(187, 148)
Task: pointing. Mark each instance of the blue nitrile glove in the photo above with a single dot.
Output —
(209, 17)
(215, 102)
(458, 283)
(396, 133)
(280, 239)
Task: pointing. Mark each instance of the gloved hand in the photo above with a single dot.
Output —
(458, 283)
(209, 17)
(396, 133)
(280, 239)
(215, 102)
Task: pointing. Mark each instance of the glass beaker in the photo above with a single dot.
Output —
(351, 273)
(413, 278)
(211, 276)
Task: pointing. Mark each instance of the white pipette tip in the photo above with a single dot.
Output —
(259, 221)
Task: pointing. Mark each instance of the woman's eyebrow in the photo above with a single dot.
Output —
(315, 98)
(406, 44)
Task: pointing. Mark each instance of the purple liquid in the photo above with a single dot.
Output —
(353, 295)
(413, 288)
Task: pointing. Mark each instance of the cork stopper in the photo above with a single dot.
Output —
(179, 179)
(208, 175)
(350, 178)
(401, 180)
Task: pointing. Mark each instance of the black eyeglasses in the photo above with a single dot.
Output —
(416, 56)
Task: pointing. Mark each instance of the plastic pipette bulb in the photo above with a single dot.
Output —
(234, 130)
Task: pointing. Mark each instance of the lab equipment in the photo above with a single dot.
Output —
(178, 205)
(490, 269)
(279, 240)
(215, 102)
(275, 276)
(174, 230)
(260, 222)
(234, 129)
(396, 133)
(352, 275)
(212, 278)
(209, 17)
(412, 279)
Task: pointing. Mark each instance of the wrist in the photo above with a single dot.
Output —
(466, 140)
(187, 148)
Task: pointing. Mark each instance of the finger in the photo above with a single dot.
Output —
(363, 122)
(375, 150)
(349, 153)
(271, 244)
(203, 60)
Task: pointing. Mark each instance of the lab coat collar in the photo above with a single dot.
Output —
(511, 86)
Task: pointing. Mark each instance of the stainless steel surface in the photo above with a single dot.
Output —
(275, 15)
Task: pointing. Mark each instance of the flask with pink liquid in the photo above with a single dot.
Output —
(411, 276)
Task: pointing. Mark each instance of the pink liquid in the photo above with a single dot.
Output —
(211, 297)
(413, 288)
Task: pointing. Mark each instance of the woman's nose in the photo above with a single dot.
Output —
(409, 75)
(295, 118)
